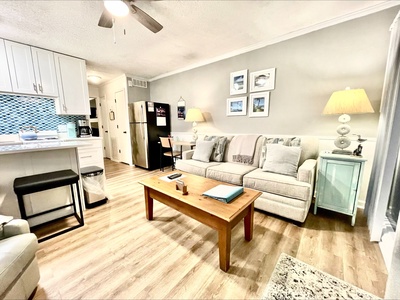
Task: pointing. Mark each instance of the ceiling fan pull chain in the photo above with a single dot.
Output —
(113, 28)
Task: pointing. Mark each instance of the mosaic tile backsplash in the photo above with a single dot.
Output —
(17, 111)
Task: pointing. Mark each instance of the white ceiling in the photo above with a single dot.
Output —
(194, 33)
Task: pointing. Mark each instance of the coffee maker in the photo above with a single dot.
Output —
(84, 129)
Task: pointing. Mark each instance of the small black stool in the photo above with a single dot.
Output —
(46, 181)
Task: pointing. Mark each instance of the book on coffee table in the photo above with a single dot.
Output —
(224, 193)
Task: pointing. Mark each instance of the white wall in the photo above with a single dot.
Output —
(308, 69)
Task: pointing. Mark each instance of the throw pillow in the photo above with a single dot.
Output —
(219, 147)
(291, 142)
(203, 150)
(282, 159)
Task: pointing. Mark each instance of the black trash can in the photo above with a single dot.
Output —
(93, 186)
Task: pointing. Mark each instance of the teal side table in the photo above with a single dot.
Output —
(338, 183)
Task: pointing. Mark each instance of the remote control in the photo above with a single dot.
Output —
(173, 176)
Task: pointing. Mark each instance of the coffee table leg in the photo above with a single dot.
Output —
(248, 223)
(149, 204)
(224, 244)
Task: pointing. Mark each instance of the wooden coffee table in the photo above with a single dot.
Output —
(213, 213)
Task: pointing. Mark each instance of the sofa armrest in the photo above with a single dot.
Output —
(306, 172)
(14, 227)
(188, 154)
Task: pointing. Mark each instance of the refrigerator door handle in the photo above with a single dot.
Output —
(141, 124)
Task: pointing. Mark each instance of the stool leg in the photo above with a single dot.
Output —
(80, 203)
(79, 218)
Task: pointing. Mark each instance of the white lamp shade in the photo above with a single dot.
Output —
(194, 115)
(348, 101)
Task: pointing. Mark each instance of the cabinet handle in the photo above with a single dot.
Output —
(34, 87)
(124, 132)
(86, 156)
(40, 88)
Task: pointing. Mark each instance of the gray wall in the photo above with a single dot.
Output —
(308, 69)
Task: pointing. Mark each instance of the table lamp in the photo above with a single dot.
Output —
(194, 115)
(344, 102)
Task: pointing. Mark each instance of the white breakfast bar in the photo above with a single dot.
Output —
(21, 160)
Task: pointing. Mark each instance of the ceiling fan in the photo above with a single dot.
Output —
(122, 8)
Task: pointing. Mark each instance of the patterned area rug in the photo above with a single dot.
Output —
(293, 279)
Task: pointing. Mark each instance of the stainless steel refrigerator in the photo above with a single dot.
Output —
(148, 121)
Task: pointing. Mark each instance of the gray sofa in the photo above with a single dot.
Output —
(19, 270)
(288, 196)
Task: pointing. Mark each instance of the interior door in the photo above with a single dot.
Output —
(124, 146)
(105, 127)
(112, 128)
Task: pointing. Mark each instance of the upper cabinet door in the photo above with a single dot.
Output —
(72, 86)
(45, 72)
(21, 68)
(5, 81)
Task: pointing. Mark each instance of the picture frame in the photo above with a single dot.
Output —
(263, 80)
(238, 82)
(259, 105)
(181, 109)
(236, 106)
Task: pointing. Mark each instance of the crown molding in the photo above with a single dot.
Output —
(351, 16)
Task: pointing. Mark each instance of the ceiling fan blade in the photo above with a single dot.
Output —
(143, 18)
(105, 19)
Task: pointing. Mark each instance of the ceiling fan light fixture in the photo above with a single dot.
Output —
(116, 7)
(94, 79)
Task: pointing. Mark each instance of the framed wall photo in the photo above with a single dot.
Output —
(262, 80)
(259, 105)
(238, 82)
(181, 109)
(236, 106)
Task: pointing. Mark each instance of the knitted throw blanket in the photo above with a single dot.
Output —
(242, 147)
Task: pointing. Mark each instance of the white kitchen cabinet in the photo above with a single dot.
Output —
(20, 62)
(5, 80)
(32, 70)
(72, 86)
(91, 155)
(45, 72)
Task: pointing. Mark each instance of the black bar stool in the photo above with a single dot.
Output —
(46, 181)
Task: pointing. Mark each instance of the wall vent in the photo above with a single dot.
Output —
(137, 82)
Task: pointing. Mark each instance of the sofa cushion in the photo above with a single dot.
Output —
(219, 147)
(16, 253)
(282, 159)
(203, 150)
(194, 166)
(229, 172)
(278, 184)
(292, 141)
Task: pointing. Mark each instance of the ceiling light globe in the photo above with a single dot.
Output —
(116, 8)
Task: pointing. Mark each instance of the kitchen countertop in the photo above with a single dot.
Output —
(40, 146)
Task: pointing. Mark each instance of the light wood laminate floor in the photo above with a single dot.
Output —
(119, 254)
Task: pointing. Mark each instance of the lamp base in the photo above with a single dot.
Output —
(342, 152)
